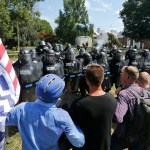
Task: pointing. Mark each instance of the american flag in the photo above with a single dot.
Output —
(9, 90)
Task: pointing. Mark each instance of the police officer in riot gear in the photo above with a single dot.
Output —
(102, 60)
(145, 61)
(127, 54)
(51, 65)
(41, 49)
(73, 71)
(67, 48)
(116, 64)
(34, 55)
(113, 51)
(87, 59)
(28, 74)
(81, 52)
(133, 60)
(94, 53)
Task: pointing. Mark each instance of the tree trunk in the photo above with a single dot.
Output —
(18, 37)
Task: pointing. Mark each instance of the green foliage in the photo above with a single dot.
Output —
(5, 28)
(20, 24)
(74, 12)
(113, 41)
(136, 19)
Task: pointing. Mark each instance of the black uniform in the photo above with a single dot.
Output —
(87, 59)
(145, 61)
(116, 64)
(102, 60)
(73, 71)
(51, 65)
(28, 74)
(133, 59)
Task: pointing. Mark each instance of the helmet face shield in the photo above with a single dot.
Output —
(50, 58)
(70, 55)
(82, 51)
(146, 53)
(24, 58)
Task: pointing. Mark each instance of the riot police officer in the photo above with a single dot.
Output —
(34, 56)
(116, 64)
(72, 71)
(81, 52)
(145, 61)
(133, 59)
(51, 65)
(113, 51)
(94, 53)
(127, 54)
(28, 74)
(102, 60)
(41, 49)
(87, 59)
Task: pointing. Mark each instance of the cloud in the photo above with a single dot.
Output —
(87, 4)
(117, 12)
(101, 5)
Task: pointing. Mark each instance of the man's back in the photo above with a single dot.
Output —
(41, 124)
(94, 115)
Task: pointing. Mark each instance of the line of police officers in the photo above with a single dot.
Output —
(32, 64)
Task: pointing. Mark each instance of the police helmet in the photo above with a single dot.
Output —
(33, 53)
(70, 54)
(118, 55)
(146, 52)
(61, 48)
(102, 55)
(82, 51)
(24, 56)
(49, 88)
(87, 58)
(133, 53)
(56, 48)
(50, 56)
(42, 43)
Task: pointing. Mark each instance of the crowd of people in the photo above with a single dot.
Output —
(86, 123)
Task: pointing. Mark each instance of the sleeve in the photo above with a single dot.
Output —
(13, 116)
(121, 108)
(73, 133)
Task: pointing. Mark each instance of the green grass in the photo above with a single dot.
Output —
(15, 142)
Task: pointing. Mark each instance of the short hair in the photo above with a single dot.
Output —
(132, 72)
(144, 78)
(95, 74)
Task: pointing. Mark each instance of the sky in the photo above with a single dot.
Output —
(104, 14)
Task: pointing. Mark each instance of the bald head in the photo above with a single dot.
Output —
(144, 80)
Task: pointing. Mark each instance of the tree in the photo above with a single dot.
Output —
(6, 30)
(74, 12)
(136, 18)
(112, 41)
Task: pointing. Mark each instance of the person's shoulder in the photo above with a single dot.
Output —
(80, 101)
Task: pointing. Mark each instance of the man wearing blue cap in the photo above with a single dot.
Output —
(41, 123)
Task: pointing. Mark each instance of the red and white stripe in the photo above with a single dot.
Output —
(6, 63)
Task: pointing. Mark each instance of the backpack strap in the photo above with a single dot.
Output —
(137, 95)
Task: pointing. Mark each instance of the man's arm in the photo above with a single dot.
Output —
(73, 133)
(12, 116)
(121, 108)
